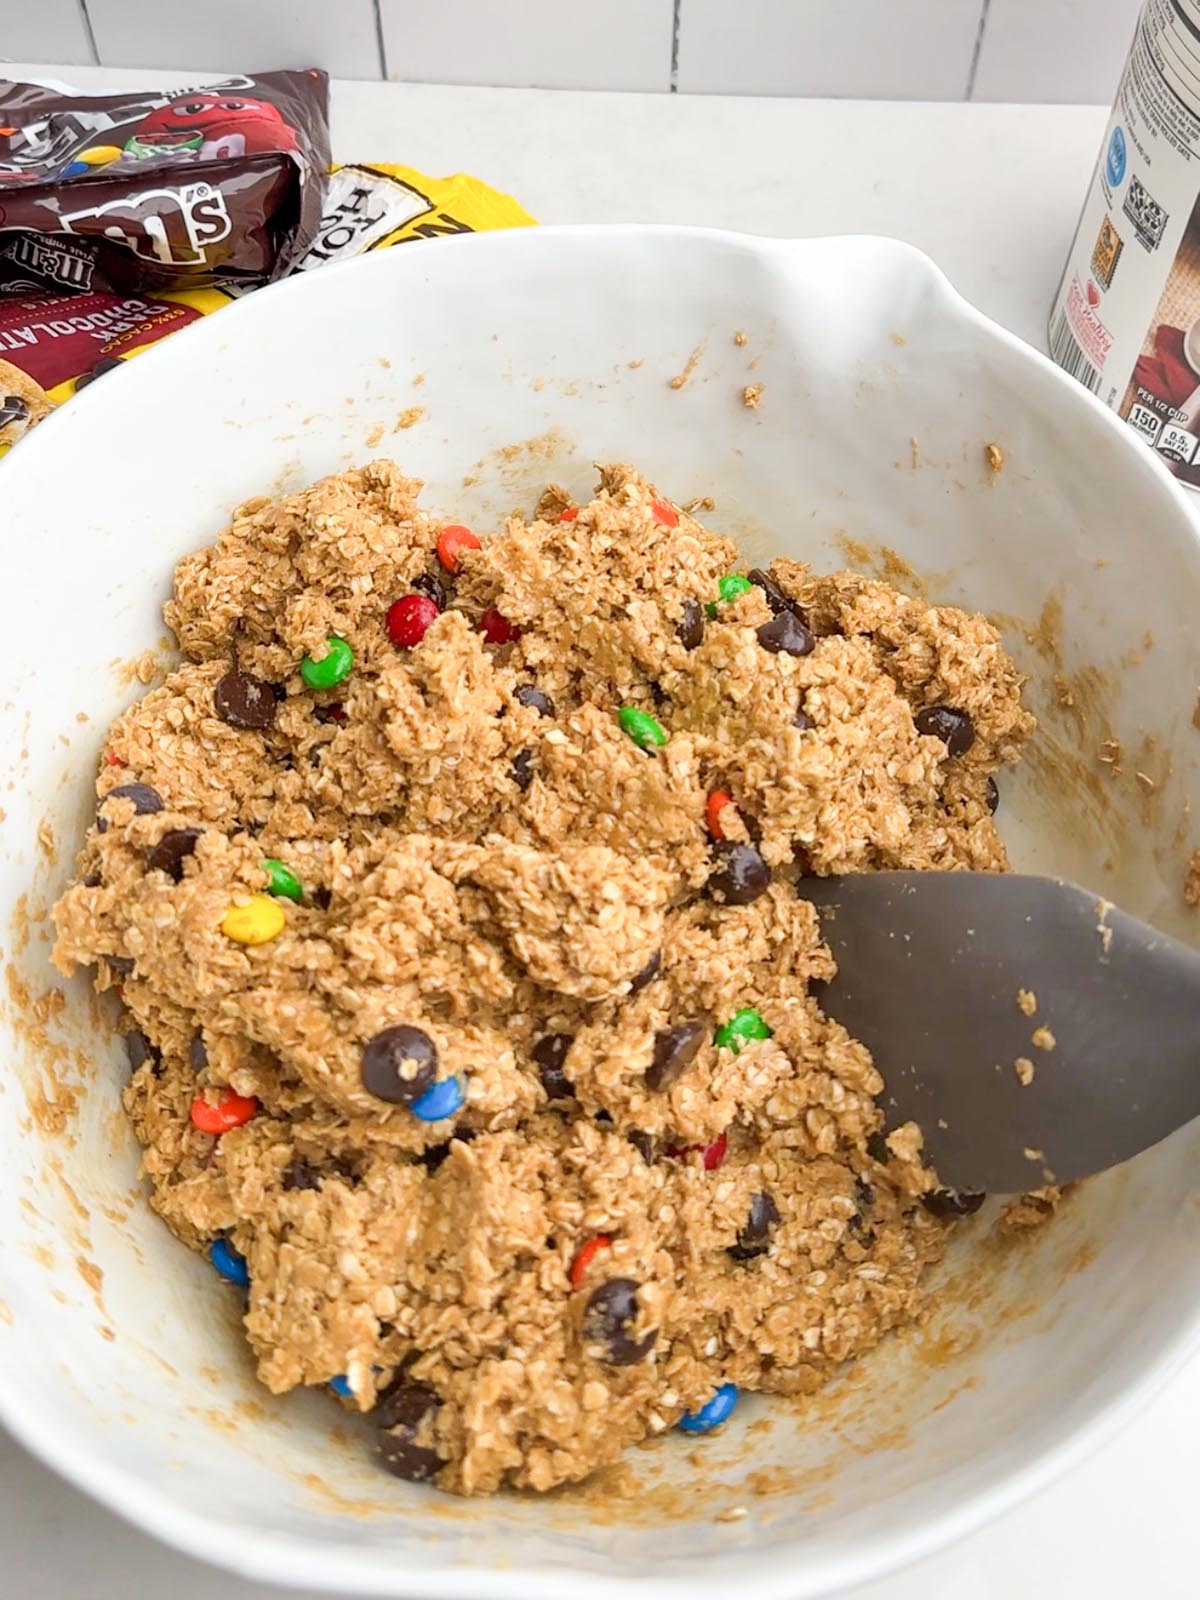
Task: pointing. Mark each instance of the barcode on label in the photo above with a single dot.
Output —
(1065, 351)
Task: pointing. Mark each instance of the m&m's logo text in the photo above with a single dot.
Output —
(173, 226)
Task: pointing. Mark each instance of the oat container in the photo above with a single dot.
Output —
(1126, 322)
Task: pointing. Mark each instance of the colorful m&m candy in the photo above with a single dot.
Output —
(712, 1413)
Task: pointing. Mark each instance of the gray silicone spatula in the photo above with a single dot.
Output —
(929, 969)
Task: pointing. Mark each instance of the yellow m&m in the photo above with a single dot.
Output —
(259, 921)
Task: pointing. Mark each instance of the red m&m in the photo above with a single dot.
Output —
(717, 801)
(409, 619)
(230, 1111)
(585, 1257)
(496, 628)
(713, 1153)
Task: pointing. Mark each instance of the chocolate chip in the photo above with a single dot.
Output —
(399, 1064)
(674, 1051)
(430, 585)
(802, 720)
(953, 1202)
(13, 409)
(610, 1313)
(139, 1050)
(432, 1158)
(528, 694)
(105, 364)
(786, 634)
(522, 769)
(953, 727)
(197, 1053)
(689, 630)
(648, 973)
(774, 595)
(404, 1417)
(550, 1052)
(322, 897)
(314, 755)
(172, 850)
(740, 874)
(335, 711)
(146, 801)
(877, 1149)
(991, 794)
(92, 881)
(299, 1175)
(643, 1144)
(858, 1226)
(243, 701)
(754, 1236)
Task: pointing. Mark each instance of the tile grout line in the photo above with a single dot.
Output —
(977, 52)
(89, 31)
(380, 39)
(676, 17)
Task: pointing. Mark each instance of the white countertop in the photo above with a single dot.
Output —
(992, 193)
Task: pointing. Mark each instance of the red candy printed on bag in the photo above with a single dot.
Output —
(160, 189)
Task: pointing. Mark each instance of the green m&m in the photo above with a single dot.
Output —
(327, 671)
(730, 586)
(282, 880)
(641, 727)
(742, 1027)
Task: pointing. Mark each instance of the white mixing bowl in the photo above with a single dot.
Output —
(530, 354)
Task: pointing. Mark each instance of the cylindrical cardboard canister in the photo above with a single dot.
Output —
(1126, 322)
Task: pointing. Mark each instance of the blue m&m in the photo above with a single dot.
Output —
(712, 1413)
(439, 1101)
(229, 1262)
(341, 1384)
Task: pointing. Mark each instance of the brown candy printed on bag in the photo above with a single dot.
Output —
(160, 190)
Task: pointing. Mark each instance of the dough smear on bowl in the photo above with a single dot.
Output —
(455, 890)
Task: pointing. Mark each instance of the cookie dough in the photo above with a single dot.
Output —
(473, 997)
(22, 403)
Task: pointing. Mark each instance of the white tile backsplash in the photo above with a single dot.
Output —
(1032, 50)
(44, 30)
(238, 35)
(1067, 51)
(874, 49)
(558, 44)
